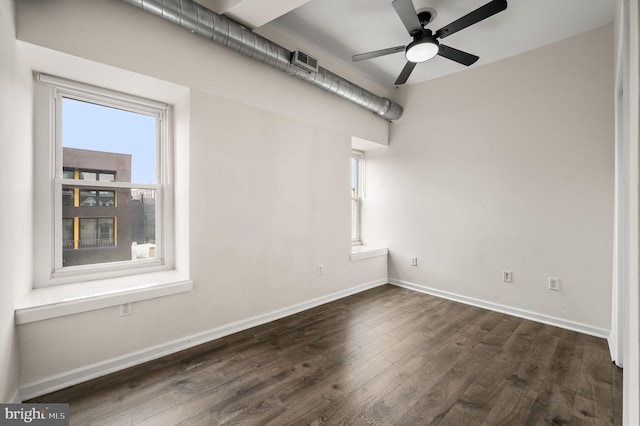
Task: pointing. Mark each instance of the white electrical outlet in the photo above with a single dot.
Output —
(320, 269)
(414, 261)
(507, 276)
(554, 284)
(125, 309)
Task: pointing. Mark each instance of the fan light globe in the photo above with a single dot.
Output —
(422, 50)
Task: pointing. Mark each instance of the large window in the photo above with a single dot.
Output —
(110, 166)
(357, 167)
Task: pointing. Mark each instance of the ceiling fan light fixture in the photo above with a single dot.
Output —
(421, 50)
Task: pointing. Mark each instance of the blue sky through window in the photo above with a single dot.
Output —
(100, 128)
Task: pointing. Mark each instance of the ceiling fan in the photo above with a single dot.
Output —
(425, 44)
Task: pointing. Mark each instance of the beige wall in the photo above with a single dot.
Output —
(15, 213)
(508, 166)
(269, 187)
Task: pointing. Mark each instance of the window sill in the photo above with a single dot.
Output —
(365, 252)
(56, 301)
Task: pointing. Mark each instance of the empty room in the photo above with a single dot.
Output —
(319, 212)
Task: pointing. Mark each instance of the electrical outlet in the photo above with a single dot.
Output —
(507, 276)
(554, 284)
(125, 309)
(414, 261)
(320, 269)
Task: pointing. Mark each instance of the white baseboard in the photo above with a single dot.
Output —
(15, 398)
(613, 348)
(516, 312)
(82, 374)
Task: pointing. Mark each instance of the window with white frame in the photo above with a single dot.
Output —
(103, 204)
(357, 168)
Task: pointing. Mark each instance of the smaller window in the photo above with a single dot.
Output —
(357, 163)
(67, 196)
(92, 198)
(96, 232)
(68, 240)
(102, 176)
(68, 173)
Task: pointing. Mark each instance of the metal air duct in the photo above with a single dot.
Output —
(206, 23)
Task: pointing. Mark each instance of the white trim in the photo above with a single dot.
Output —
(365, 252)
(48, 267)
(520, 313)
(621, 196)
(612, 341)
(82, 374)
(143, 105)
(56, 301)
(15, 398)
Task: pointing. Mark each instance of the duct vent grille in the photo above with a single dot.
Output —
(304, 61)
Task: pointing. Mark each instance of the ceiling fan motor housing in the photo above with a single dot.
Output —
(426, 15)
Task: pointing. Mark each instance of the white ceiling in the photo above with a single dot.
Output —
(341, 28)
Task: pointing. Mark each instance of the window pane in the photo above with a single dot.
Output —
(354, 177)
(96, 232)
(67, 234)
(88, 232)
(106, 144)
(143, 223)
(106, 176)
(105, 232)
(356, 165)
(106, 198)
(88, 198)
(87, 175)
(355, 213)
(67, 197)
(68, 173)
(109, 143)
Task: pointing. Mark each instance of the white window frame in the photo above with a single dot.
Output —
(48, 183)
(357, 197)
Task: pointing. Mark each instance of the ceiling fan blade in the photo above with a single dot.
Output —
(408, 15)
(376, 53)
(406, 72)
(476, 16)
(456, 55)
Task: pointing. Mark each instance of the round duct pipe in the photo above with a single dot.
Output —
(202, 21)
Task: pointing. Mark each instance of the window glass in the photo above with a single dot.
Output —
(88, 232)
(105, 231)
(88, 198)
(67, 234)
(106, 198)
(356, 184)
(67, 196)
(68, 173)
(87, 175)
(108, 210)
(96, 232)
(104, 144)
(354, 177)
(93, 130)
(106, 176)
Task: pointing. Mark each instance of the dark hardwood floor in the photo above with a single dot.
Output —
(387, 356)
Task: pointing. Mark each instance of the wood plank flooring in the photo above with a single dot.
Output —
(387, 356)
